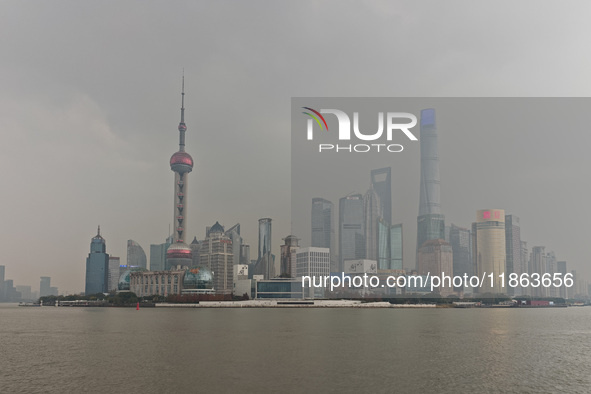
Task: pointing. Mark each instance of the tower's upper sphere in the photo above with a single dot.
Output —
(181, 162)
(182, 127)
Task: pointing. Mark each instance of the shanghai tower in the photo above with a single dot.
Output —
(430, 222)
(181, 163)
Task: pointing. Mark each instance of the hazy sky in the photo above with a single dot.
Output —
(90, 100)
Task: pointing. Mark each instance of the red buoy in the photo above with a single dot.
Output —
(138, 307)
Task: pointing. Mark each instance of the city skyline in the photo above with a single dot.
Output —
(99, 134)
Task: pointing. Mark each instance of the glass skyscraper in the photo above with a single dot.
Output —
(389, 254)
(381, 182)
(430, 222)
(490, 249)
(136, 257)
(323, 231)
(513, 244)
(97, 266)
(351, 231)
(372, 211)
(460, 240)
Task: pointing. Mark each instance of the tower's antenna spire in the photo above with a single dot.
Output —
(98, 232)
(183, 99)
(182, 125)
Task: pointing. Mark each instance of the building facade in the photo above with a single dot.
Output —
(513, 243)
(430, 221)
(490, 249)
(216, 255)
(288, 256)
(114, 274)
(136, 257)
(97, 266)
(372, 212)
(436, 259)
(351, 231)
(323, 230)
(313, 262)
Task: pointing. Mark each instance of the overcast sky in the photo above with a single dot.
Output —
(89, 104)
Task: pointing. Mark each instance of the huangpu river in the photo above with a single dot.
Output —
(154, 350)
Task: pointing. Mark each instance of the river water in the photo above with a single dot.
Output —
(101, 350)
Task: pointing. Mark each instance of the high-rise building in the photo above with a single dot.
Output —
(244, 254)
(136, 257)
(381, 181)
(537, 265)
(389, 249)
(351, 231)
(45, 286)
(114, 274)
(158, 255)
(195, 246)
(551, 269)
(179, 253)
(524, 267)
(323, 231)
(372, 212)
(436, 258)
(312, 262)
(216, 255)
(288, 256)
(561, 268)
(264, 237)
(265, 264)
(460, 240)
(25, 292)
(2, 279)
(430, 222)
(490, 249)
(234, 234)
(513, 243)
(97, 266)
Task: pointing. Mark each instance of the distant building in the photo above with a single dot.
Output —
(537, 262)
(136, 257)
(25, 293)
(162, 283)
(245, 254)
(313, 262)
(278, 288)
(436, 259)
(216, 254)
(551, 269)
(242, 285)
(158, 255)
(265, 264)
(195, 246)
(351, 231)
(513, 247)
(490, 249)
(97, 266)
(45, 286)
(460, 240)
(323, 229)
(389, 246)
(381, 182)
(234, 234)
(372, 212)
(430, 221)
(2, 279)
(561, 268)
(114, 274)
(288, 256)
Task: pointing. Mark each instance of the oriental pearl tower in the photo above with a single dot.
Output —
(181, 163)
